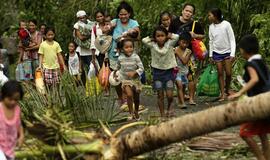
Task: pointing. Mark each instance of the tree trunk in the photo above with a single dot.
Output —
(189, 126)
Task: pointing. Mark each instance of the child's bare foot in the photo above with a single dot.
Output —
(182, 106)
(191, 102)
(221, 98)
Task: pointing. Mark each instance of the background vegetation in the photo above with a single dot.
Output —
(246, 16)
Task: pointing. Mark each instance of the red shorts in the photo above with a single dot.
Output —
(255, 128)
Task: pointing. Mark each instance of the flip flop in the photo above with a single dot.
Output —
(182, 106)
(192, 103)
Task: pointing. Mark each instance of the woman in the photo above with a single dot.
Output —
(183, 24)
(29, 55)
(125, 27)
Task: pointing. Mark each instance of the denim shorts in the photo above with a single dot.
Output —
(163, 85)
(163, 79)
(182, 78)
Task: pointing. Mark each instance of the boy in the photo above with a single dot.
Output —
(257, 78)
(183, 55)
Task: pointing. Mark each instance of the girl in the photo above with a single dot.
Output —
(49, 58)
(124, 26)
(257, 78)
(11, 129)
(131, 68)
(165, 20)
(163, 62)
(183, 57)
(74, 62)
(222, 48)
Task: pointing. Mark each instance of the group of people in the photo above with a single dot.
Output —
(116, 42)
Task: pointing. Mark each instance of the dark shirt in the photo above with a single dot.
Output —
(179, 27)
(264, 77)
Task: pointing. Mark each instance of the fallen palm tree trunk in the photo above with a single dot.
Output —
(189, 126)
(95, 147)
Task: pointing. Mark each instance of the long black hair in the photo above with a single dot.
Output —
(165, 13)
(124, 5)
(217, 13)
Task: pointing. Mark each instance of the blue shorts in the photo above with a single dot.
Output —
(163, 79)
(163, 85)
(182, 78)
(220, 57)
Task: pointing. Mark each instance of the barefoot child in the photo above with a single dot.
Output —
(183, 56)
(49, 53)
(222, 48)
(165, 20)
(11, 130)
(74, 62)
(257, 78)
(131, 68)
(163, 63)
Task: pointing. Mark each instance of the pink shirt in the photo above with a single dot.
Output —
(9, 130)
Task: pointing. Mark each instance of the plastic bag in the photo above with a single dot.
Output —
(93, 70)
(3, 78)
(20, 72)
(103, 75)
(39, 82)
(209, 83)
(92, 85)
(198, 46)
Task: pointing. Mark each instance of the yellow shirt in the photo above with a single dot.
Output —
(49, 52)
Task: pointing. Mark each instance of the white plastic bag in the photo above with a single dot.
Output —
(93, 70)
(3, 78)
(2, 155)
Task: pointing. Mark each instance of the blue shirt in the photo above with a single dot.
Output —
(117, 32)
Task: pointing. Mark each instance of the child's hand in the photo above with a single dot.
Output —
(233, 96)
(169, 36)
(20, 141)
(232, 59)
(131, 74)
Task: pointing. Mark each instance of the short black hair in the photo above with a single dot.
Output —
(217, 13)
(121, 43)
(124, 5)
(249, 43)
(10, 88)
(160, 28)
(43, 24)
(99, 11)
(189, 4)
(185, 36)
(75, 44)
(33, 21)
(49, 29)
(22, 21)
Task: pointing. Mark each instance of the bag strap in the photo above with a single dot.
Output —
(193, 26)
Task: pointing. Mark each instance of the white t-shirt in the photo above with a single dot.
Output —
(74, 64)
(81, 50)
(94, 36)
(221, 39)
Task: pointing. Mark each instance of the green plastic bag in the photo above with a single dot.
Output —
(209, 83)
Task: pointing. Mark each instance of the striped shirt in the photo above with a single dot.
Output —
(129, 64)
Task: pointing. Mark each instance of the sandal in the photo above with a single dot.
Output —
(182, 106)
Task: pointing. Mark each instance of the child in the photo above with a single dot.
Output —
(257, 78)
(50, 52)
(165, 20)
(74, 62)
(222, 48)
(131, 68)
(163, 63)
(183, 56)
(24, 34)
(11, 129)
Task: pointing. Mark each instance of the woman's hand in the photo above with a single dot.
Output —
(193, 35)
(232, 59)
